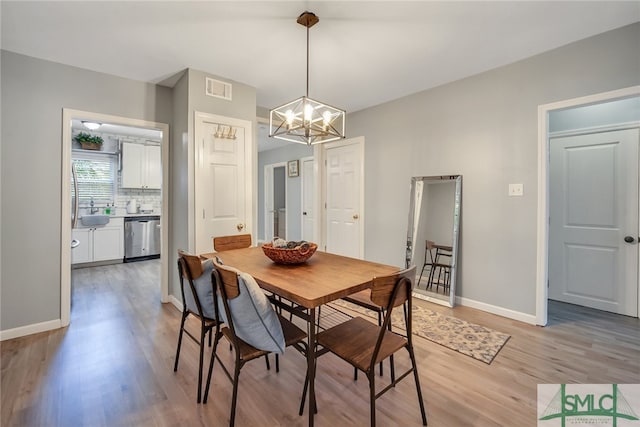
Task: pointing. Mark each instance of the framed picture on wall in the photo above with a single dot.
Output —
(292, 168)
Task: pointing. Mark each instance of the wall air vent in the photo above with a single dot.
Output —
(217, 89)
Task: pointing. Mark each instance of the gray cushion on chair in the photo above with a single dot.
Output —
(204, 289)
(254, 319)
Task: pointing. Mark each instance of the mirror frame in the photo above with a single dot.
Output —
(412, 229)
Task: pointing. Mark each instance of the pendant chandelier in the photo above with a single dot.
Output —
(305, 120)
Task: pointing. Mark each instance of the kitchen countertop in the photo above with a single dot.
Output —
(123, 214)
(129, 215)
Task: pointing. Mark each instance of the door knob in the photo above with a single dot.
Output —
(629, 239)
(240, 227)
(356, 216)
(304, 213)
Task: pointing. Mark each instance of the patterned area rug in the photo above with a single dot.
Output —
(467, 338)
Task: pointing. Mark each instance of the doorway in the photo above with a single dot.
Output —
(275, 201)
(69, 117)
(594, 124)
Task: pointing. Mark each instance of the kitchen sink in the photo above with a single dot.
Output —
(94, 219)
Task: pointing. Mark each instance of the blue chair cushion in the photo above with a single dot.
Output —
(204, 289)
(254, 319)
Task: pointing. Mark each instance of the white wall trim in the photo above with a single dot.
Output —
(494, 309)
(302, 183)
(34, 328)
(542, 258)
(176, 303)
(594, 129)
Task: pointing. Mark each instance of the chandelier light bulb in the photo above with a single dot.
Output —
(290, 117)
(308, 112)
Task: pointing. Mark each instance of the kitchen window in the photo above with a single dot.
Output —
(96, 178)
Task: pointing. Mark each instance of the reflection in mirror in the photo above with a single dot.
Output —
(432, 236)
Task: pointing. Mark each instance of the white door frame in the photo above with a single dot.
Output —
(65, 214)
(316, 191)
(542, 264)
(320, 153)
(269, 169)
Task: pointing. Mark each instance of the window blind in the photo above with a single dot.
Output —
(96, 179)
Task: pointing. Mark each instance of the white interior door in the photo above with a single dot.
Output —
(308, 200)
(593, 209)
(223, 177)
(344, 197)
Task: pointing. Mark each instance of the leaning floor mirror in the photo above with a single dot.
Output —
(432, 236)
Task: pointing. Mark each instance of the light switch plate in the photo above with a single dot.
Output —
(516, 190)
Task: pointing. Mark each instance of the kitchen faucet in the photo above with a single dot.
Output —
(93, 209)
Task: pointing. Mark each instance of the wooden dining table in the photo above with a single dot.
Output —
(323, 278)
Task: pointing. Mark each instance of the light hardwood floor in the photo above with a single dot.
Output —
(113, 366)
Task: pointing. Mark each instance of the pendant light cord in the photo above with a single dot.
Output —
(307, 61)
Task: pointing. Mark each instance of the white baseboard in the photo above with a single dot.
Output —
(35, 328)
(500, 311)
(176, 302)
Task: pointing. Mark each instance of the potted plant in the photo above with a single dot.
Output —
(88, 141)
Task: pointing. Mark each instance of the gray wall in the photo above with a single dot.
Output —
(190, 96)
(179, 201)
(34, 92)
(484, 128)
(294, 187)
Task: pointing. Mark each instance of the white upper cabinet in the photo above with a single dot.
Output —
(141, 166)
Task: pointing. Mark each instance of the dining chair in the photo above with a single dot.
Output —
(251, 326)
(363, 299)
(429, 261)
(441, 265)
(364, 344)
(197, 300)
(227, 243)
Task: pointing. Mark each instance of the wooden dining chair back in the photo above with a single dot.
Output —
(226, 283)
(227, 243)
(189, 270)
(440, 273)
(364, 344)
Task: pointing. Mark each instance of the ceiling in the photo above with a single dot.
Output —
(362, 53)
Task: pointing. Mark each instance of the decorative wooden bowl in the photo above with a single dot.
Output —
(289, 256)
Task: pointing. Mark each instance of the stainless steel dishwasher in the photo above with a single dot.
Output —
(141, 238)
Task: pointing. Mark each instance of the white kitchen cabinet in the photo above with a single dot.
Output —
(99, 243)
(84, 251)
(141, 166)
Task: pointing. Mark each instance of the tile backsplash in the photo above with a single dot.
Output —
(142, 196)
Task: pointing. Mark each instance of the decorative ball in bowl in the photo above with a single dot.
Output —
(295, 255)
